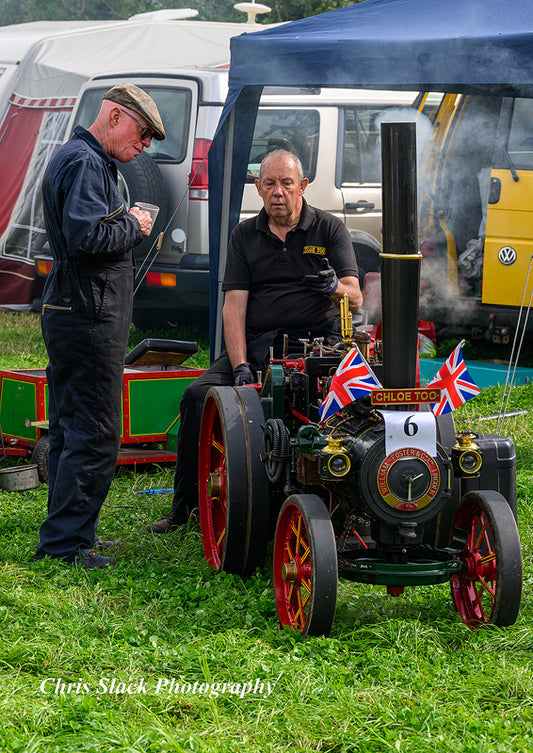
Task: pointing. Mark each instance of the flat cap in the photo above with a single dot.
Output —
(136, 99)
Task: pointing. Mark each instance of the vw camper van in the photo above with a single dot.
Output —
(475, 214)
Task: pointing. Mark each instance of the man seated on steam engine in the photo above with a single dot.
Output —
(287, 270)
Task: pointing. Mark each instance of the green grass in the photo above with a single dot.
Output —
(397, 674)
(22, 346)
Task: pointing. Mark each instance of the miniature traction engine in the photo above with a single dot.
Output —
(377, 489)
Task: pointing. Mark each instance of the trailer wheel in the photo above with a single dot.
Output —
(490, 590)
(305, 566)
(222, 482)
(258, 488)
(39, 457)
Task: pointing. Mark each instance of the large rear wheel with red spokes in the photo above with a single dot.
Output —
(489, 591)
(305, 566)
(222, 481)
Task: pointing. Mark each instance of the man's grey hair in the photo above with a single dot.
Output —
(283, 153)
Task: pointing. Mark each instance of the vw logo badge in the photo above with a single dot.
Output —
(507, 255)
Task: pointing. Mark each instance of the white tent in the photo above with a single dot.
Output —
(35, 114)
(18, 39)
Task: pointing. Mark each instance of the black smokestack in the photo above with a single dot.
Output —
(400, 259)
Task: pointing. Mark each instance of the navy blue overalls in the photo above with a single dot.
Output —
(85, 321)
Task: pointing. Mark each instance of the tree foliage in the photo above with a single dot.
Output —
(290, 10)
(22, 11)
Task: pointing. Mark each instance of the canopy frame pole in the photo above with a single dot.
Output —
(224, 229)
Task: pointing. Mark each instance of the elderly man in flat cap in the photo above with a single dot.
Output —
(86, 316)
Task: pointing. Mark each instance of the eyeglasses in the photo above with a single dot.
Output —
(146, 132)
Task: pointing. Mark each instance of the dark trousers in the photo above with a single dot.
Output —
(86, 344)
(220, 374)
(186, 477)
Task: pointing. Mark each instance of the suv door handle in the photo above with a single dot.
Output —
(360, 206)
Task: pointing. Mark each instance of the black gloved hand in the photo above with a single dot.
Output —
(324, 282)
(242, 374)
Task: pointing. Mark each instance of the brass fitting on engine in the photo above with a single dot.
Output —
(338, 464)
(346, 320)
(466, 455)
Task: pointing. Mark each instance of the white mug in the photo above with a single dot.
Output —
(154, 211)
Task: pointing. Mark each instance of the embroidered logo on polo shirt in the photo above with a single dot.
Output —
(318, 250)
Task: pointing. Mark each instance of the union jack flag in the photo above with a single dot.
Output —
(455, 382)
(353, 378)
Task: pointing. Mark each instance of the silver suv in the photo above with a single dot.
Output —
(334, 132)
(172, 268)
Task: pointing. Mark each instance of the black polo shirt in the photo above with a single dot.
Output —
(272, 270)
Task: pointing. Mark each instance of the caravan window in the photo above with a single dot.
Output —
(295, 130)
(174, 106)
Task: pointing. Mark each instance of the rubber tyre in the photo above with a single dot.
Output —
(305, 566)
(258, 487)
(39, 457)
(368, 260)
(490, 591)
(222, 481)
(141, 180)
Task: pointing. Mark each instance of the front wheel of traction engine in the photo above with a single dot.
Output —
(489, 591)
(305, 566)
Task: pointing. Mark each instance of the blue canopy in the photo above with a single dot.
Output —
(430, 45)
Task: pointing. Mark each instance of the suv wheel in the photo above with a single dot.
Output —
(141, 180)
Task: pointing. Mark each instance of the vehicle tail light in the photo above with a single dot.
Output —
(43, 267)
(198, 185)
(161, 279)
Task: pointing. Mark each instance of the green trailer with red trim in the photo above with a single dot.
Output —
(153, 383)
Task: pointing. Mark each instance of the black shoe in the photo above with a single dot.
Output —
(173, 520)
(90, 560)
(167, 524)
(100, 544)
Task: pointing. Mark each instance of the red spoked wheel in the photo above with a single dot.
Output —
(305, 566)
(222, 481)
(490, 590)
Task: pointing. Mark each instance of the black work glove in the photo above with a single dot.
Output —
(324, 282)
(242, 374)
